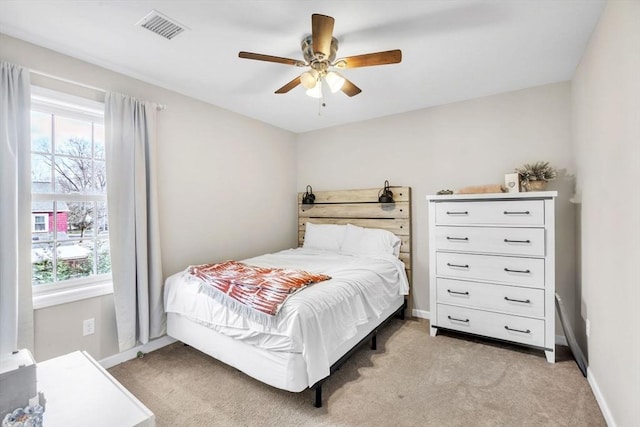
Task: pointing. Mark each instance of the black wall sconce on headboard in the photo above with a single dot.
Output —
(385, 195)
(308, 197)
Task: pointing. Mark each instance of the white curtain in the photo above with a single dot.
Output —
(16, 306)
(130, 128)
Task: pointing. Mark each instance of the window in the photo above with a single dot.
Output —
(39, 223)
(69, 239)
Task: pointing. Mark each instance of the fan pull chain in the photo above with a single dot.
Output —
(321, 105)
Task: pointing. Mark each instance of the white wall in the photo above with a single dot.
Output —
(58, 329)
(606, 136)
(448, 147)
(227, 185)
(227, 189)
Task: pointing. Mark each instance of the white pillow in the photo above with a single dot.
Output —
(326, 237)
(370, 241)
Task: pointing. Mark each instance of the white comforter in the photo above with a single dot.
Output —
(313, 322)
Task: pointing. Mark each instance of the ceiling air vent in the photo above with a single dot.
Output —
(162, 25)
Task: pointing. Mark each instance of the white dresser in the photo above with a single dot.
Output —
(492, 266)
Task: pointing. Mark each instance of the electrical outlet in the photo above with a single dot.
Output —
(89, 326)
(587, 327)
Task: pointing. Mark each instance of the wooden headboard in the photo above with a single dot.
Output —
(361, 207)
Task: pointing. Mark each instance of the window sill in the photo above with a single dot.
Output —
(63, 296)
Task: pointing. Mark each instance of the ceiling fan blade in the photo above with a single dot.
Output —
(369, 59)
(286, 88)
(321, 34)
(350, 89)
(269, 58)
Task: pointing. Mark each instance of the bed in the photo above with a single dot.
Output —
(365, 248)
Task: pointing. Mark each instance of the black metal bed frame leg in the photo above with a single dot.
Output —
(318, 402)
(373, 335)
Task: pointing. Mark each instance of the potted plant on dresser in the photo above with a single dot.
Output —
(534, 176)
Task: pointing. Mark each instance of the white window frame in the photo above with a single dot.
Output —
(53, 102)
(33, 222)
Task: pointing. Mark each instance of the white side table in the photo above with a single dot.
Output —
(80, 392)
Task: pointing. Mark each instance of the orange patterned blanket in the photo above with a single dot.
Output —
(258, 288)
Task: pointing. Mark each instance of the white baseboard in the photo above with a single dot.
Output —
(606, 413)
(421, 314)
(116, 359)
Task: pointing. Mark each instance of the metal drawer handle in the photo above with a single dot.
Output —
(457, 238)
(517, 241)
(458, 213)
(458, 265)
(526, 301)
(516, 212)
(458, 293)
(517, 271)
(460, 320)
(528, 331)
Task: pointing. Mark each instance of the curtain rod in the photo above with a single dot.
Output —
(97, 89)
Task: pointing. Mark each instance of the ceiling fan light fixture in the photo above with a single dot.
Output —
(308, 79)
(316, 91)
(335, 81)
(319, 51)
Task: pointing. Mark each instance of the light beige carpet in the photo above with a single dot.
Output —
(412, 379)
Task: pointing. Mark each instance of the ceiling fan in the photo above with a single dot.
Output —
(319, 51)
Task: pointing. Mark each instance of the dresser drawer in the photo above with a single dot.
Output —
(497, 240)
(522, 330)
(499, 212)
(507, 299)
(492, 268)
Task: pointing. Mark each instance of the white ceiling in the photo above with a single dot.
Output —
(452, 49)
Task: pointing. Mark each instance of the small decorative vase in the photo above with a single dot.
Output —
(535, 185)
